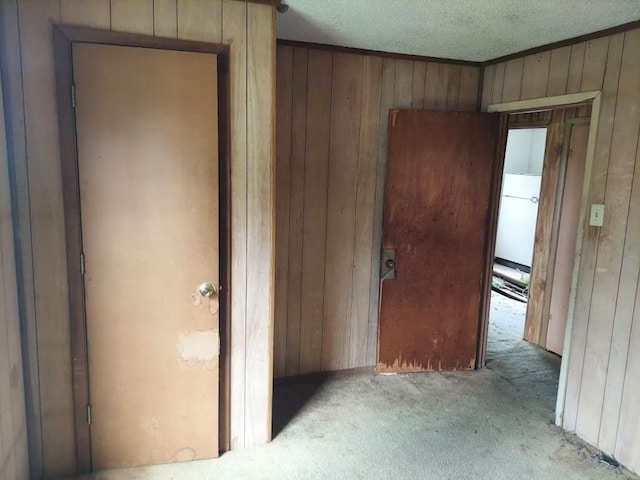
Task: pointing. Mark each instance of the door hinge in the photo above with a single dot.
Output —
(82, 270)
(89, 414)
(73, 96)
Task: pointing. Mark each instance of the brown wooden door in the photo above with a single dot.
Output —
(567, 233)
(148, 173)
(437, 191)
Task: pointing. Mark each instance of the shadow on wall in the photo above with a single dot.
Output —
(290, 395)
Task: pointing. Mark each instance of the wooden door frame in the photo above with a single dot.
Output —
(546, 103)
(63, 39)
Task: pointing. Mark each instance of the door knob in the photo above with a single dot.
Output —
(206, 289)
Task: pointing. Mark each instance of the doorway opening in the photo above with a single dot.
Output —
(517, 216)
(537, 229)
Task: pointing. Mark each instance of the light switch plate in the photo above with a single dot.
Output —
(596, 219)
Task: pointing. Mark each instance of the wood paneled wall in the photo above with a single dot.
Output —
(14, 461)
(603, 391)
(332, 110)
(28, 71)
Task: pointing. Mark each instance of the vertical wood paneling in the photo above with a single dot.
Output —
(261, 55)
(235, 34)
(606, 285)
(468, 92)
(332, 215)
(512, 80)
(576, 63)
(489, 73)
(96, 14)
(296, 208)
(498, 83)
(453, 87)
(343, 165)
(618, 412)
(584, 287)
(13, 426)
(602, 393)
(386, 103)
(419, 74)
(165, 18)
(47, 227)
(284, 98)
(558, 71)
(365, 199)
(133, 17)
(16, 144)
(316, 174)
(625, 303)
(200, 20)
(535, 75)
(435, 87)
(595, 61)
(403, 87)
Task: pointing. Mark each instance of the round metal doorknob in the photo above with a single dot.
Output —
(206, 289)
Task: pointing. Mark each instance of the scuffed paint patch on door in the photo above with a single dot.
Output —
(201, 346)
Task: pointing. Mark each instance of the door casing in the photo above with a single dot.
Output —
(63, 39)
(546, 103)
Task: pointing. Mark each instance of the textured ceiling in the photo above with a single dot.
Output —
(475, 30)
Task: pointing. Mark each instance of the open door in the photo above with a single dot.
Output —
(435, 223)
(147, 140)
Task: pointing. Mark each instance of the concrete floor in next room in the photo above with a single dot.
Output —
(496, 423)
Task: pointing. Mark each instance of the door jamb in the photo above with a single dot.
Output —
(595, 97)
(63, 39)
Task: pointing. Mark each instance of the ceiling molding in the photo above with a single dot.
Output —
(564, 43)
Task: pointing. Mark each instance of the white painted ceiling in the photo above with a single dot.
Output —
(476, 30)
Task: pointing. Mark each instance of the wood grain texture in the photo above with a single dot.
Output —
(542, 264)
(261, 77)
(133, 17)
(558, 71)
(365, 199)
(381, 84)
(606, 286)
(584, 289)
(403, 85)
(436, 160)
(341, 209)
(47, 227)
(534, 75)
(284, 98)
(296, 208)
(13, 423)
(17, 150)
(435, 87)
(419, 74)
(96, 14)
(200, 20)
(453, 87)
(468, 91)
(512, 80)
(386, 103)
(316, 175)
(165, 18)
(602, 358)
(234, 33)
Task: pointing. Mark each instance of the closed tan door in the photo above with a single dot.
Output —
(148, 172)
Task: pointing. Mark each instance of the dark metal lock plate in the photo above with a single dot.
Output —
(388, 264)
